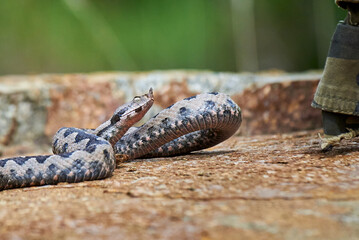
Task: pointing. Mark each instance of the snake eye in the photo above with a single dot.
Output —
(115, 119)
(139, 109)
(137, 98)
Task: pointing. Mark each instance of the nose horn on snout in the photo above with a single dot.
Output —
(150, 93)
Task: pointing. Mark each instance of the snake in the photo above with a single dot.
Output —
(193, 124)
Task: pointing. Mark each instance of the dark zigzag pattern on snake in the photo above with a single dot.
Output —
(192, 124)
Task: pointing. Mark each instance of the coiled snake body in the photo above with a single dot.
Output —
(192, 124)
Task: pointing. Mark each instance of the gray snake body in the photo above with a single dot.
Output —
(192, 124)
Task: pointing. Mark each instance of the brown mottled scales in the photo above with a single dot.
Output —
(192, 124)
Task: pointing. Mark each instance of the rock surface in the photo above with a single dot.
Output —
(279, 108)
(34, 107)
(258, 187)
(251, 187)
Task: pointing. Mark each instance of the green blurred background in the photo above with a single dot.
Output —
(40, 36)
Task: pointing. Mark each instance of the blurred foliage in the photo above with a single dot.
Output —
(222, 35)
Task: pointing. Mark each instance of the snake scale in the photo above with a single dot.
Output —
(192, 124)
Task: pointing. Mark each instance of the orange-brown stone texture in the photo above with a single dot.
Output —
(269, 181)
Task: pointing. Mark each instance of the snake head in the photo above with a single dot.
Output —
(125, 116)
(132, 112)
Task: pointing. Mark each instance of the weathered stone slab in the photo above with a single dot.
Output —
(278, 108)
(258, 187)
(34, 107)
